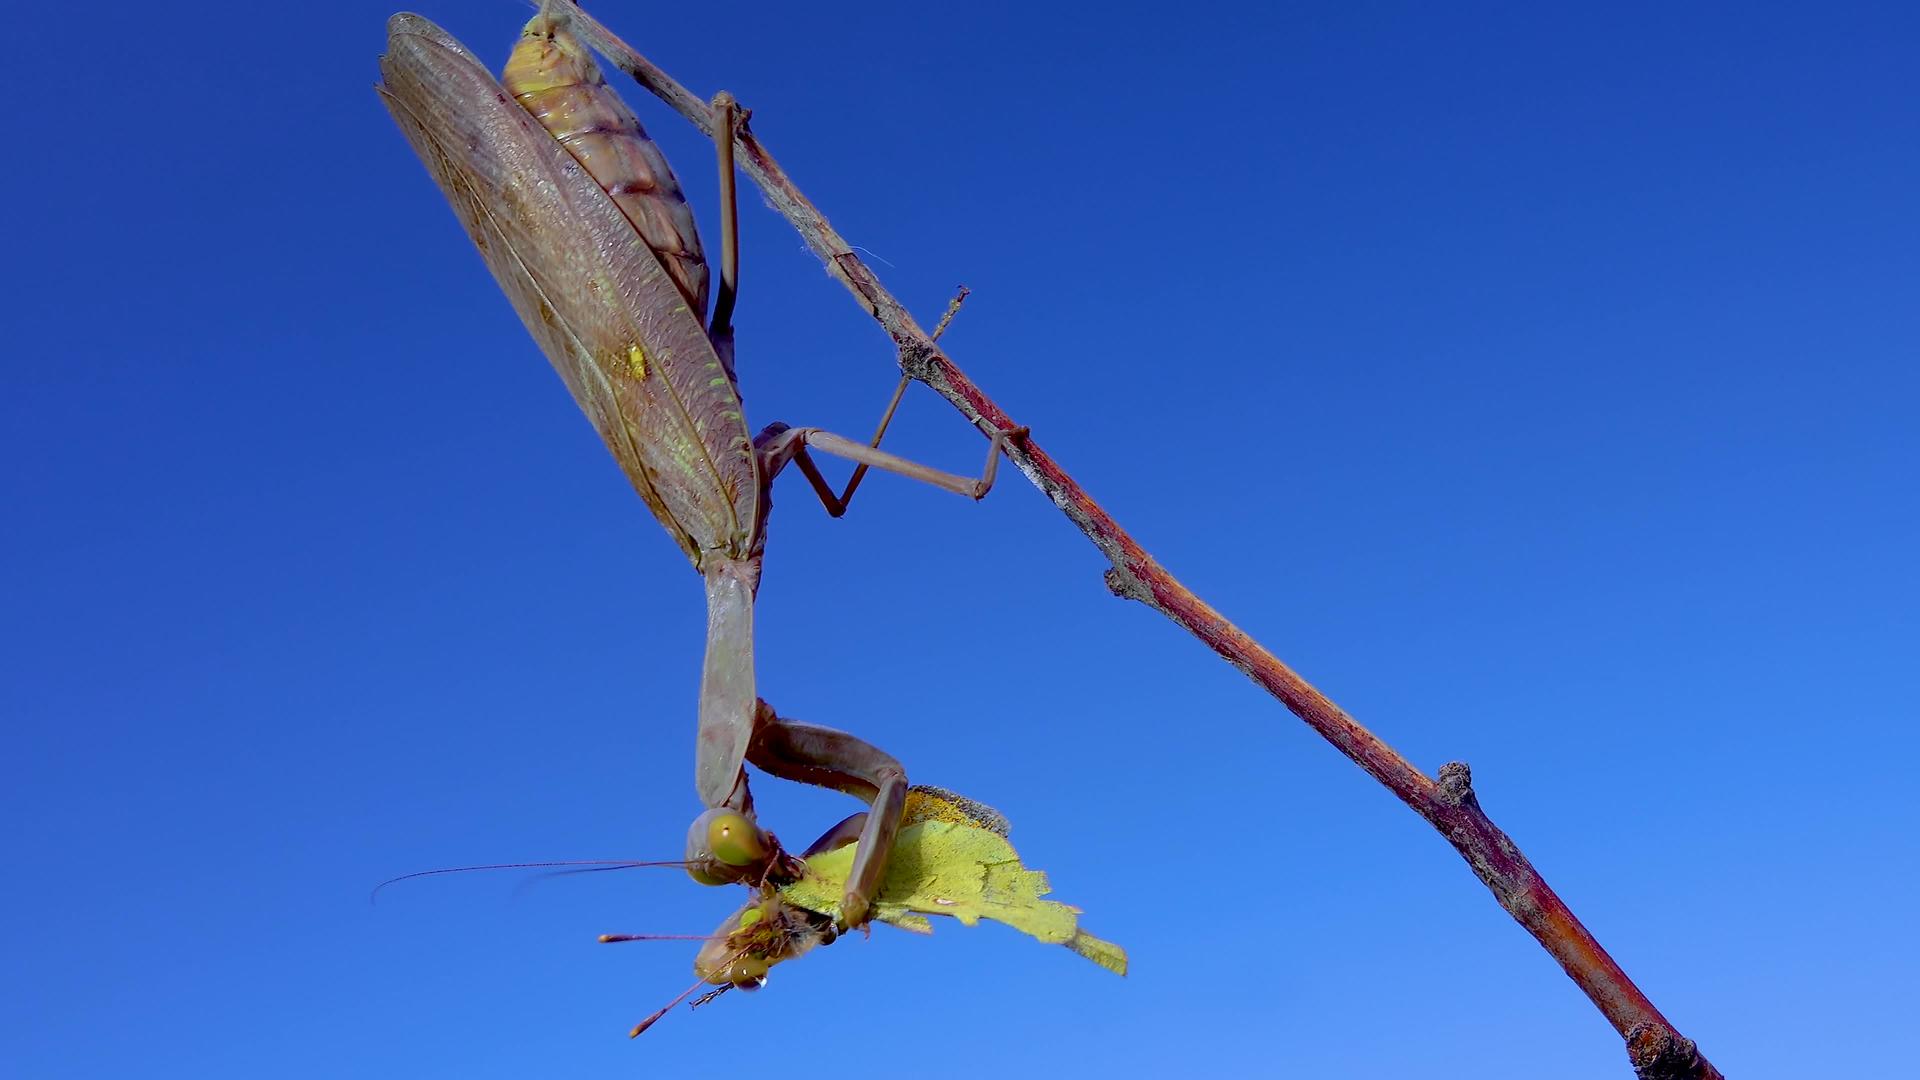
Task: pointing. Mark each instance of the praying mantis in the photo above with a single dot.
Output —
(583, 224)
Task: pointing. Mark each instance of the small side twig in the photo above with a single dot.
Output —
(1656, 1050)
(953, 308)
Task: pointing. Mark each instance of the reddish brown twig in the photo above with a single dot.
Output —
(1657, 1051)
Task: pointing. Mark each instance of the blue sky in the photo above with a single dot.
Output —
(1540, 383)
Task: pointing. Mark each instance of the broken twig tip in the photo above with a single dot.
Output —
(953, 308)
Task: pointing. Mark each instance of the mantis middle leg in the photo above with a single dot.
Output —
(778, 444)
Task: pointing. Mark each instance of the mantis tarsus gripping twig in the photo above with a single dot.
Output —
(583, 224)
(1447, 802)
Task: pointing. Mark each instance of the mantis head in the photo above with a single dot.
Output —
(726, 847)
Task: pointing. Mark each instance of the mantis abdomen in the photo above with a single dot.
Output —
(553, 76)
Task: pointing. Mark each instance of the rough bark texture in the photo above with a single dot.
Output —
(1448, 803)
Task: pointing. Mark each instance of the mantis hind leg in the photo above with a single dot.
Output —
(833, 759)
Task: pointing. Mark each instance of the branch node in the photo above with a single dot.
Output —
(1658, 1052)
(1456, 784)
(916, 361)
(1126, 585)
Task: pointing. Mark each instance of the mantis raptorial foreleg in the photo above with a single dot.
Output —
(833, 759)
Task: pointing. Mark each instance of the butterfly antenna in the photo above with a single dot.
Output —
(665, 1009)
(684, 994)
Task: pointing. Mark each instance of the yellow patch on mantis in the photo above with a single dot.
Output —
(637, 361)
(952, 858)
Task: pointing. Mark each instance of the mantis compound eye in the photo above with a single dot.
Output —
(735, 840)
(701, 865)
(721, 840)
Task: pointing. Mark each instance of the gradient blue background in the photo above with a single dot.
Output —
(1540, 383)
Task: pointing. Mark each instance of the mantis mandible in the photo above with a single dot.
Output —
(583, 224)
